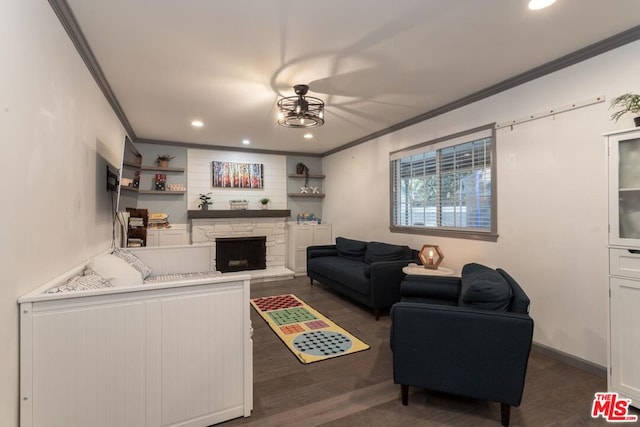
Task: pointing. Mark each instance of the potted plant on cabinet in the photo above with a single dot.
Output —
(163, 160)
(264, 202)
(628, 103)
(205, 201)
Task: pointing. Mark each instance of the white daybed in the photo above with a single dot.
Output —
(169, 353)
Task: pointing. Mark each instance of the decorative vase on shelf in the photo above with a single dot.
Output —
(204, 207)
(163, 160)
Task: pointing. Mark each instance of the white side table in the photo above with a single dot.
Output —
(418, 270)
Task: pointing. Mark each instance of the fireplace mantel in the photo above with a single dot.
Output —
(239, 213)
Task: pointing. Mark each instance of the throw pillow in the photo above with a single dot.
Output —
(485, 288)
(133, 261)
(377, 252)
(116, 270)
(80, 283)
(349, 248)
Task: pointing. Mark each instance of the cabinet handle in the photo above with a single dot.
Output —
(634, 251)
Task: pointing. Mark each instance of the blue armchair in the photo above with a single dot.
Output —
(469, 336)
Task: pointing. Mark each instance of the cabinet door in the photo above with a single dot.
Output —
(624, 376)
(304, 238)
(322, 235)
(152, 237)
(624, 188)
(172, 237)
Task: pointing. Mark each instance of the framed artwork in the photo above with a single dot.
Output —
(238, 175)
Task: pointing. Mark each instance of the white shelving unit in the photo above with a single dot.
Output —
(623, 374)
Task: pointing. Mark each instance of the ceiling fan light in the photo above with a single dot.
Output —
(300, 111)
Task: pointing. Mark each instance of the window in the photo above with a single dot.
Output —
(446, 187)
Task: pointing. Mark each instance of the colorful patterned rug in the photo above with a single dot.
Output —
(310, 336)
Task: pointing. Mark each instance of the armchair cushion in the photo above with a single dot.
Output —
(349, 248)
(484, 288)
(376, 252)
(430, 289)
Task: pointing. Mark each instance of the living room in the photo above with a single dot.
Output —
(551, 183)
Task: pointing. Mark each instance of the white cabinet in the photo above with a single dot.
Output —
(624, 369)
(624, 263)
(176, 235)
(300, 236)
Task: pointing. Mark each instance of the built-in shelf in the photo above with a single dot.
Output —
(160, 169)
(164, 193)
(239, 213)
(132, 165)
(305, 195)
(127, 188)
(311, 175)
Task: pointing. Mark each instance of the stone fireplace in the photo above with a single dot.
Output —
(205, 230)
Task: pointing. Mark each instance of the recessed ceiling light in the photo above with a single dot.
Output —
(197, 124)
(246, 142)
(540, 4)
(308, 136)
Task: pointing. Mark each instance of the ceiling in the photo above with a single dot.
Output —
(375, 63)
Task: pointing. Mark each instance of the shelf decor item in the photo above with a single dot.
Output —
(431, 256)
(265, 203)
(628, 103)
(205, 201)
(163, 160)
(238, 204)
(302, 169)
(161, 182)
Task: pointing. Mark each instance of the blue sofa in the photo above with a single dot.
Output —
(367, 272)
(469, 335)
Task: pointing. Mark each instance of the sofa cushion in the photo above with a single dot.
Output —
(485, 288)
(349, 248)
(377, 252)
(346, 271)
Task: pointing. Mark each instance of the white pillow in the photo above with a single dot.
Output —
(133, 261)
(116, 270)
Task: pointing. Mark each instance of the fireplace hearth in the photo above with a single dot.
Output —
(241, 253)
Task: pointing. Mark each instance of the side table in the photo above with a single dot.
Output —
(418, 270)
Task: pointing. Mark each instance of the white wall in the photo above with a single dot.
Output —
(552, 216)
(55, 128)
(199, 179)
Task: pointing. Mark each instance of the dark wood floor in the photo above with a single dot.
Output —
(358, 390)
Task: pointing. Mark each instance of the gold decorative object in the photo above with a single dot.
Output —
(431, 256)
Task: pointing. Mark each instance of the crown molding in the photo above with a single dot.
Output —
(595, 49)
(68, 21)
(225, 148)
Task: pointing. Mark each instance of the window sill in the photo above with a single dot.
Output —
(442, 232)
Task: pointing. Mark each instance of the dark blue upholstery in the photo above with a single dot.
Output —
(467, 351)
(367, 272)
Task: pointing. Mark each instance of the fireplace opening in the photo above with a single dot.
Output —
(241, 253)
